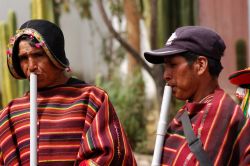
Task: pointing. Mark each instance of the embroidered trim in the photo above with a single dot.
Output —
(207, 99)
(203, 119)
(118, 138)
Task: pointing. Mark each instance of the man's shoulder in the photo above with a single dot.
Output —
(225, 104)
(222, 95)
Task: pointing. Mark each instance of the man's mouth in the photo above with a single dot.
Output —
(171, 85)
(173, 88)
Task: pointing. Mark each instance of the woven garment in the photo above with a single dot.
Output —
(77, 125)
(220, 125)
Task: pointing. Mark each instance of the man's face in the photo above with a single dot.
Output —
(35, 60)
(181, 76)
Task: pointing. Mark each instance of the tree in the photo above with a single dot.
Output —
(133, 32)
(170, 17)
(165, 17)
(153, 71)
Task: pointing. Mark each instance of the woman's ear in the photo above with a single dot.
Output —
(201, 65)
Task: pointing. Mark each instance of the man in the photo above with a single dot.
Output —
(210, 129)
(77, 124)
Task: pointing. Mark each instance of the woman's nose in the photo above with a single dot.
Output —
(32, 64)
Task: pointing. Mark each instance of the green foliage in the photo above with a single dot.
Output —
(10, 87)
(116, 8)
(83, 7)
(187, 12)
(127, 92)
(112, 56)
(241, 54)
(6, 80)
(43, 9)
(172, 14)
(128, 99)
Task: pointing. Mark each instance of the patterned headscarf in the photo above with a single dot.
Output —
(50, 38)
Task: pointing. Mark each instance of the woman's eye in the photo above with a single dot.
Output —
(22, 58)
(40, 53)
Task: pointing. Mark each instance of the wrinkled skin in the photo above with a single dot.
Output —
(181, 77)
(33, 59)
(190, 82)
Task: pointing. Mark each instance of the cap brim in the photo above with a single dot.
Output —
(157, 56)
(241, 77)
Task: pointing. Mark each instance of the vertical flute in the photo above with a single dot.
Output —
(33, 119)
(162, 126)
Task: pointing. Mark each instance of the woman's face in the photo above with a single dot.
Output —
(33, 59)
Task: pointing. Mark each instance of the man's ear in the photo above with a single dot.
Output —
(201, 65)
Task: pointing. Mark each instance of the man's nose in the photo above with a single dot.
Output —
(167, 74)
(32, 64)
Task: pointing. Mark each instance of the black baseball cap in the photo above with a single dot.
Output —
(196, 39)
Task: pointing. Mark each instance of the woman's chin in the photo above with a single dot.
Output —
(41, 85)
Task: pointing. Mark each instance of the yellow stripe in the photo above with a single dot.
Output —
(61, 120)
(215, 120)
(238, 137)
(46, 161)
(58, 146)
(225, 137)
(63, 132)
(62, 109)
(169, 149)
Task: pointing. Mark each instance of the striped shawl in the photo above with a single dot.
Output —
(222, 128)
(77, 125)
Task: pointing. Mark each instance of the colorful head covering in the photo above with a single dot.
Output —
(241, 78)
(50, 38)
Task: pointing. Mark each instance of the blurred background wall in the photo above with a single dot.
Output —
(230, 19)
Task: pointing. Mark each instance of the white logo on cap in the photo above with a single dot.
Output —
(171, 39)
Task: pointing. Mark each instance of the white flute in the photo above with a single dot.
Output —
(162, 126)
(33, 119)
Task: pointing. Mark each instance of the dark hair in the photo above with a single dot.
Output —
(214, 66)
(32, 40)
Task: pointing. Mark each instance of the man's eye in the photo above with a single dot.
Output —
(172, 64)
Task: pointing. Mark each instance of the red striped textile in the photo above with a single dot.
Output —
(222, 128)
(77, 125)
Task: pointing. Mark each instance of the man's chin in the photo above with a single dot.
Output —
(179, 97)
